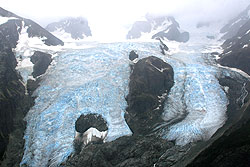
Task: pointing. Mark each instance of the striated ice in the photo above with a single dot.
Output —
(91, 80)
(95, 80)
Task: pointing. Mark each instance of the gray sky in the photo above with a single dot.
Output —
(110, 16)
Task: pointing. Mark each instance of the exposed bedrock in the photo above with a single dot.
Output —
(41, 63)
(14, 104)
(150, 78)
(84, 122)
(133, 55)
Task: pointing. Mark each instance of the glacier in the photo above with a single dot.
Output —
(79, 81)
(95, 78)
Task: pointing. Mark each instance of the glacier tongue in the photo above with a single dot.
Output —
(95, 80)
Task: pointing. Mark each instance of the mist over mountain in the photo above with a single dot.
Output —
(164, 27)
(78, 27)
(125, 83)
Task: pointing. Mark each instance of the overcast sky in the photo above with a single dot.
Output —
(110, 15)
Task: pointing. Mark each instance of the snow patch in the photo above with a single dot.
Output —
(248, 32)
(6, 19)
(245, 46)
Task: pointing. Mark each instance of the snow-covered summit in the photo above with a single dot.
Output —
(233, 26)
(165, 27)
(75, 28)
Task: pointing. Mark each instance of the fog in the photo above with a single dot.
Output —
(114, 16)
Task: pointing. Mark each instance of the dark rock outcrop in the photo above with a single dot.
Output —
(165, 27)
(84, 122)
(126, 151)
(14, 104)
(77, 27)
(151, 77)
(163, 47)
(233, 26)
(133, 55)
(41, 62)
(12, 28)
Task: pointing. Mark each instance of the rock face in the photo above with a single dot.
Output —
(150, 78)
(232, 28)
(14, 100)
(159, 27)
(237, 49)
(13, 105)
(233, 147)
(125, 151)
(77, 27)
(41, 62)
(13, 27)
(84, 122)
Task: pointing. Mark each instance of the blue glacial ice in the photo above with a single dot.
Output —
(91, 80)
(95, 80)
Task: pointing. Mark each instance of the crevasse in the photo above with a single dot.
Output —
(91, 80)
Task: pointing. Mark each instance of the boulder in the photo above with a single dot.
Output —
(150, 78)
(133, 55)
